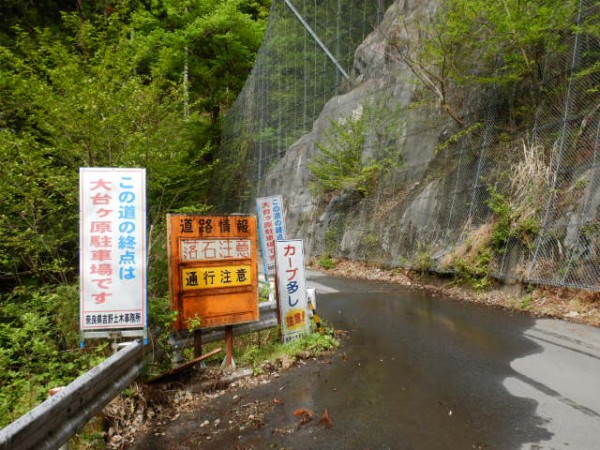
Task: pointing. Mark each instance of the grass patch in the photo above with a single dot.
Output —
(327, 262)
(269, 351)
(525, 303)
(471, 261)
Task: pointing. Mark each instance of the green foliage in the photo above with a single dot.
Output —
(516, 217)
(255, 348)
(193, 323)
(369, 241)
(327, 262)
(39, 337)
(511, 221)
(235, 167)
(500, 206)
(479, 43)
(339, 166)
(263, 292)
(214, 40)
(458, 136)
(472, 261)
(99, 84)
(64, 109)
(474, 270)
(525, 302)
(345, 162)
(423, 260)
(519, 33)
(332, 237)
(161, 319)
(589, 64)
(313, 344)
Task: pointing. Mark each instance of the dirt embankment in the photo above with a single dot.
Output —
(213, 405)
(575, 305)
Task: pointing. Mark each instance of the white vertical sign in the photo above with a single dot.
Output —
(291, 282)
(272, 228)
(112, 237)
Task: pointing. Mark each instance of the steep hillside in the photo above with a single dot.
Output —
(341, 222)
(465, 141)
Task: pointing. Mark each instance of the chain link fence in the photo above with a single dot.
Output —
(519, 201)
(291, 81)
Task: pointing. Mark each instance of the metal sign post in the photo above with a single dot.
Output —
(228, 362)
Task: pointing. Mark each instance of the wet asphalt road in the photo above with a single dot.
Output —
(419, 372)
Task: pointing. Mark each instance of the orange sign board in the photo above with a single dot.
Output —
(212, 269)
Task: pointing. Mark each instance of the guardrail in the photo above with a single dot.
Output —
(268, 319)
(52, 423)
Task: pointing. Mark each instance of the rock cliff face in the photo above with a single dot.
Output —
(444, 200)
(374, 226)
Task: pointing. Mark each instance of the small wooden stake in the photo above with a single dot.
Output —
(184, 366)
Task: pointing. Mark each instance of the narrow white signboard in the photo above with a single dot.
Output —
(291, 282)
(112, 248)
(271, 225)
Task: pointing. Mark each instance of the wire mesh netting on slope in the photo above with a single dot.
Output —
(291, 81)
(519, 201)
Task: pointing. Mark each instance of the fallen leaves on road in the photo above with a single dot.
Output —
(304, 414)
(326, 420)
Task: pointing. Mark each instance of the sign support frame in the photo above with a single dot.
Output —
(228, 362)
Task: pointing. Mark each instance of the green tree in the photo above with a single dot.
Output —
(474, 43)
(208, 45)
(66, 109)
(98, 84)
(356, 152)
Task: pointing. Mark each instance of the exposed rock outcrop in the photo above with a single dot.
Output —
(342, 220)
(457, 152)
